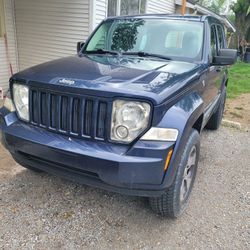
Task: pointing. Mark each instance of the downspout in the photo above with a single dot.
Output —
(92, 15)
(7, 54)
(6, 44)
(183, 7)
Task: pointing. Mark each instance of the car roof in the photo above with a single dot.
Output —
(199, 18)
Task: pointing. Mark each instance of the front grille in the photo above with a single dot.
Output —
(72, 115)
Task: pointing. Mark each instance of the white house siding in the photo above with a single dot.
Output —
(49, 29)
(101, 10)
(160, 6)
(5, 72)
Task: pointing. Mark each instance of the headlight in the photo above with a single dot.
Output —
(21, 100)
(129, 119)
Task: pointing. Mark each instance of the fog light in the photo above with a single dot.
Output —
(122, 131)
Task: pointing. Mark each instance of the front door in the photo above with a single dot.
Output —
(215, 73)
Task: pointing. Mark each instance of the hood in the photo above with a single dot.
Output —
(112, 76)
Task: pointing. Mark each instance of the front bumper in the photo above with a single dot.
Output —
(133, 170)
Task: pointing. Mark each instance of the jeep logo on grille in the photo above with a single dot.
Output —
(66, 81)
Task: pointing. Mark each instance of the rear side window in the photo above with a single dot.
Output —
(221, 39)
(213, 41)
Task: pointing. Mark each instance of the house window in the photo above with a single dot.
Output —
(112, 7)
(126, 7)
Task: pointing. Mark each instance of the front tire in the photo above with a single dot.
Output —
(175, 199)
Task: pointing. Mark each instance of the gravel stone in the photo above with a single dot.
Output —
(39, 211)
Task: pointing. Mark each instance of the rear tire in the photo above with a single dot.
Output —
(215, 120)
(174, 200)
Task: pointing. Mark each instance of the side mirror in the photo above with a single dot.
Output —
(79, 46)
(225, 57)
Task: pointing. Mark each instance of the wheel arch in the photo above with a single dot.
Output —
(198, 123)
(185, 115)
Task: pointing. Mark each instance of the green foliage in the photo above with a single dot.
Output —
(216, 6)
(242, 18)
(241, 6)
(231, 18)
(239, 79)
(248, 11)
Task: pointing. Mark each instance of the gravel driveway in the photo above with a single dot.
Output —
(38, 211)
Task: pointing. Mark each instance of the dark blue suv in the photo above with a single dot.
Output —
(125, 114)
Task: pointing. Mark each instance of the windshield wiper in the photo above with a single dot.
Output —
(139, 53)
(145, 54)
(101, 51)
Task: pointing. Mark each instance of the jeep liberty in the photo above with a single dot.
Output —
(125, 114)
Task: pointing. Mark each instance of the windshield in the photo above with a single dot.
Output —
(169, 38)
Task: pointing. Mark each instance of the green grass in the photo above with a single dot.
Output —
(239, 79)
